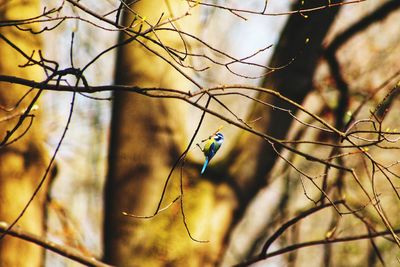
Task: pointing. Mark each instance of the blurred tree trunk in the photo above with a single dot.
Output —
(23, 162)
(147, 138)
(301, 40)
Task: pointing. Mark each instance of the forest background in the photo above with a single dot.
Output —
(103, 103)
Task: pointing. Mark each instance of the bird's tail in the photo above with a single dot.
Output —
(205, 165)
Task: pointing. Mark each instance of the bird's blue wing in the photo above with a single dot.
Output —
(211, 151)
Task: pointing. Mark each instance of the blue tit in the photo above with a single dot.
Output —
(211, 147)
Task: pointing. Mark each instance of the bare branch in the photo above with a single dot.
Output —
(62, 250)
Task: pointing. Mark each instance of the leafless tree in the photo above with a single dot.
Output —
(325, 140)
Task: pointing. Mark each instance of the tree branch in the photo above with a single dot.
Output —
(62, 250)
(315, 243)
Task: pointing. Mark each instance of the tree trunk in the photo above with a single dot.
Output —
(294, 82)
(147, 137)
(301, 41)
(23, 162)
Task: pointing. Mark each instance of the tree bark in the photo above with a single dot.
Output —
(147, 137)
(253, 159)
(294, 81)
(23, 162)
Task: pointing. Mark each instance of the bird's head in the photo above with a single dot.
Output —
(219, 137)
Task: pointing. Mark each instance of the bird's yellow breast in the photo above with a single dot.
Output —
(207, 146)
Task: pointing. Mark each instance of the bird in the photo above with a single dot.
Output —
(211, 147)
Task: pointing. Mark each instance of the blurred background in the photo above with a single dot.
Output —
(339, 62)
